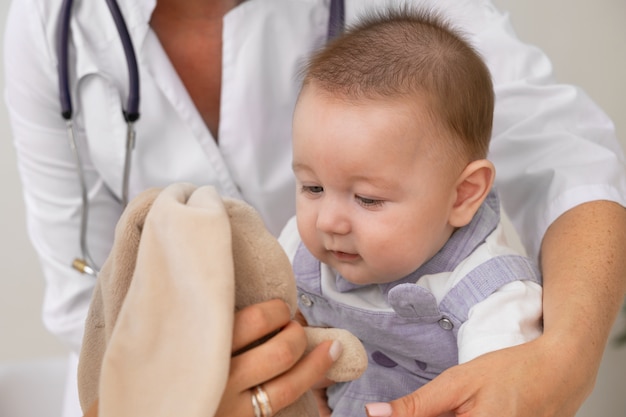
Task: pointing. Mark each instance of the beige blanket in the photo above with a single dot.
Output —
(153, 302)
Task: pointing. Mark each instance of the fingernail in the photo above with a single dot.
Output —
(335, 350)
(378, 410)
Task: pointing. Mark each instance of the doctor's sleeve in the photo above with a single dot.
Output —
(553, 147)
(47, 170)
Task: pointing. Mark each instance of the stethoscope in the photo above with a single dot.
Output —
(85, 263)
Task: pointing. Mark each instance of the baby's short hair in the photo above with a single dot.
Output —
(407, 52)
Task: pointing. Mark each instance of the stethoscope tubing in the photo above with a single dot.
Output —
(86, 264)
(130, 112)
(63, 59)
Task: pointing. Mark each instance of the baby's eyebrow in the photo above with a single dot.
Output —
(378, 182)
(299, 166)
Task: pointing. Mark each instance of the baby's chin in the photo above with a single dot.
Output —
(360, 276)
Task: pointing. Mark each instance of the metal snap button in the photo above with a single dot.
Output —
(306, 300)
(446, 324)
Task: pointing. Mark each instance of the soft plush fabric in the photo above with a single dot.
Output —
(159, 327)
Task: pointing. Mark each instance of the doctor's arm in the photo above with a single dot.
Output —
(544, 132)
(584, 284)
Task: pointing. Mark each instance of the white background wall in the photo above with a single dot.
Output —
(587, 43)
(21, 284)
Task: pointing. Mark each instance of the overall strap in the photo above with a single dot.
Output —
(486, 279)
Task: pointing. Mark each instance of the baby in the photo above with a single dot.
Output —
(397, 234)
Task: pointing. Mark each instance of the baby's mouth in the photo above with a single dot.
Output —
(344, 256)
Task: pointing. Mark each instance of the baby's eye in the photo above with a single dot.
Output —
(368, 202)
(312, 189)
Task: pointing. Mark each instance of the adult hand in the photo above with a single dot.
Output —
(278, 364)
(583, 271)
(319, 388)
(536, 379)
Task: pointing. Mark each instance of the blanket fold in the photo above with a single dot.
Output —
(166, 291)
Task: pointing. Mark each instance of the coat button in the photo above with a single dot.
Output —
(446, 324)
(306, 300)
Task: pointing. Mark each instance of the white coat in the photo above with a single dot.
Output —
(552, 147)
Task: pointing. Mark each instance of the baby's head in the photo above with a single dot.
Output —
(390, 135)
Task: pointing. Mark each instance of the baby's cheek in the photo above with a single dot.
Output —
(396, 262)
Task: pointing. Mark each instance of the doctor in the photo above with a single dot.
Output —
(218, 81)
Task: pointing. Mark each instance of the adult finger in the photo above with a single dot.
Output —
(269, 359)
(289, 386)
(258, 320)
(438, 398)
(281, 390)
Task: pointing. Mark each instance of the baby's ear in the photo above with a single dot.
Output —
(472, 187)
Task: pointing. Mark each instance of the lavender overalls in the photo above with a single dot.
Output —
(417, 340)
